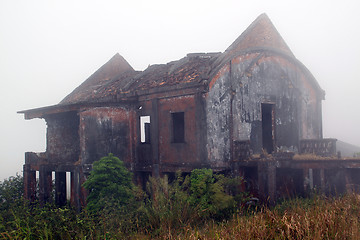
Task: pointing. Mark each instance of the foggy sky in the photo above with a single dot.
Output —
(47, 48)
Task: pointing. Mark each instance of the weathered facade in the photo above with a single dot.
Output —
(224, 111)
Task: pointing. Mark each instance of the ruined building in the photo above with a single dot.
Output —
(225, 111)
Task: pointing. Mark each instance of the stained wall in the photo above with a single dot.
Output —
(62, 137)
(106, 130)
(234, 105)
(163, 152)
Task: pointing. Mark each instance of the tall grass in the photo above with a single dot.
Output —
(316, 218)
(167, 214)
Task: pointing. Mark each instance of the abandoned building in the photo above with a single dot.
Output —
(253, 110)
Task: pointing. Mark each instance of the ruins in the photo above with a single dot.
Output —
(253, 110)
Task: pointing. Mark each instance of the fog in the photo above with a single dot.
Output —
(47, 48)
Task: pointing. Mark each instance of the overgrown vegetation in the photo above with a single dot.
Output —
(109, 183)
(316, 218)
(201, 205)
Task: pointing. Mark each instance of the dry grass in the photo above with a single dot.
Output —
(317, 218)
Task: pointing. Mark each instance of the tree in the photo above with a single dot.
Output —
(11, 190)
(109, 184)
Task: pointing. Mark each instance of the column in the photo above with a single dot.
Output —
(155, 138)
(75, 190)
(311, 178)
(348, 181)
(322, 180)
(241, 173)
(262, 180)
(29, 183)
(306, 180)
(271, 176)
(45, 185)
(60, 188)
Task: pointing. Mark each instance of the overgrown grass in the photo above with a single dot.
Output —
(316, 218)
(168, 215)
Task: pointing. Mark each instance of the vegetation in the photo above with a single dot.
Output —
(109, 182)
(201, 205)
(189, 201)
(11, 191)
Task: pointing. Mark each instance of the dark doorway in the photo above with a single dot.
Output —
(268, 129)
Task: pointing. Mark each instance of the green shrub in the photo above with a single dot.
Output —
(191, 200)
(11, 197)
(168, 204)
(115, 202)
(169, 208)
(109, 183)
(208, 193)
(11, 190)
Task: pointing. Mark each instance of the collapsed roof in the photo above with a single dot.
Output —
(117, 80)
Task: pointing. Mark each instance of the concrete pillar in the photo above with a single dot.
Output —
(305, 179)
(271, 177)
(45, 185)
(262, 180)
(235, 169)
(241, 174)
(308, 180)
(311, 179)
(75, 190)
(82, 191)
(60, 188)
(322, 180)
(29, 183)
(349, 186)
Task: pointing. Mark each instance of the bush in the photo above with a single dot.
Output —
(11, 190)
(113, 199)
(109, 183)
(11, 197)
(207, 191)
(117, 209)
(168, 204)
(191, 200)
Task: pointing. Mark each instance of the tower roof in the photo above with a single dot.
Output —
(260, 34)
(115, 66)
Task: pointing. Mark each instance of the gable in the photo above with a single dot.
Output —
(88, 90)
(260, 37)
(260, 34)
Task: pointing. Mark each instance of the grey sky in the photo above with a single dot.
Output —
(47, 48)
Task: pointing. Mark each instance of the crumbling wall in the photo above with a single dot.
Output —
(179, 153)
(311, 111)
(218, 119)
(163, 152)
(62, 137)
(235, 101)
(260, 78)
(106, 130)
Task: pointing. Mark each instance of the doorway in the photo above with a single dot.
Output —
(268, 126)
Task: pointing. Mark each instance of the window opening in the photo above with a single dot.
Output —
(178, 127)
(145, 129)
(268, 123)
